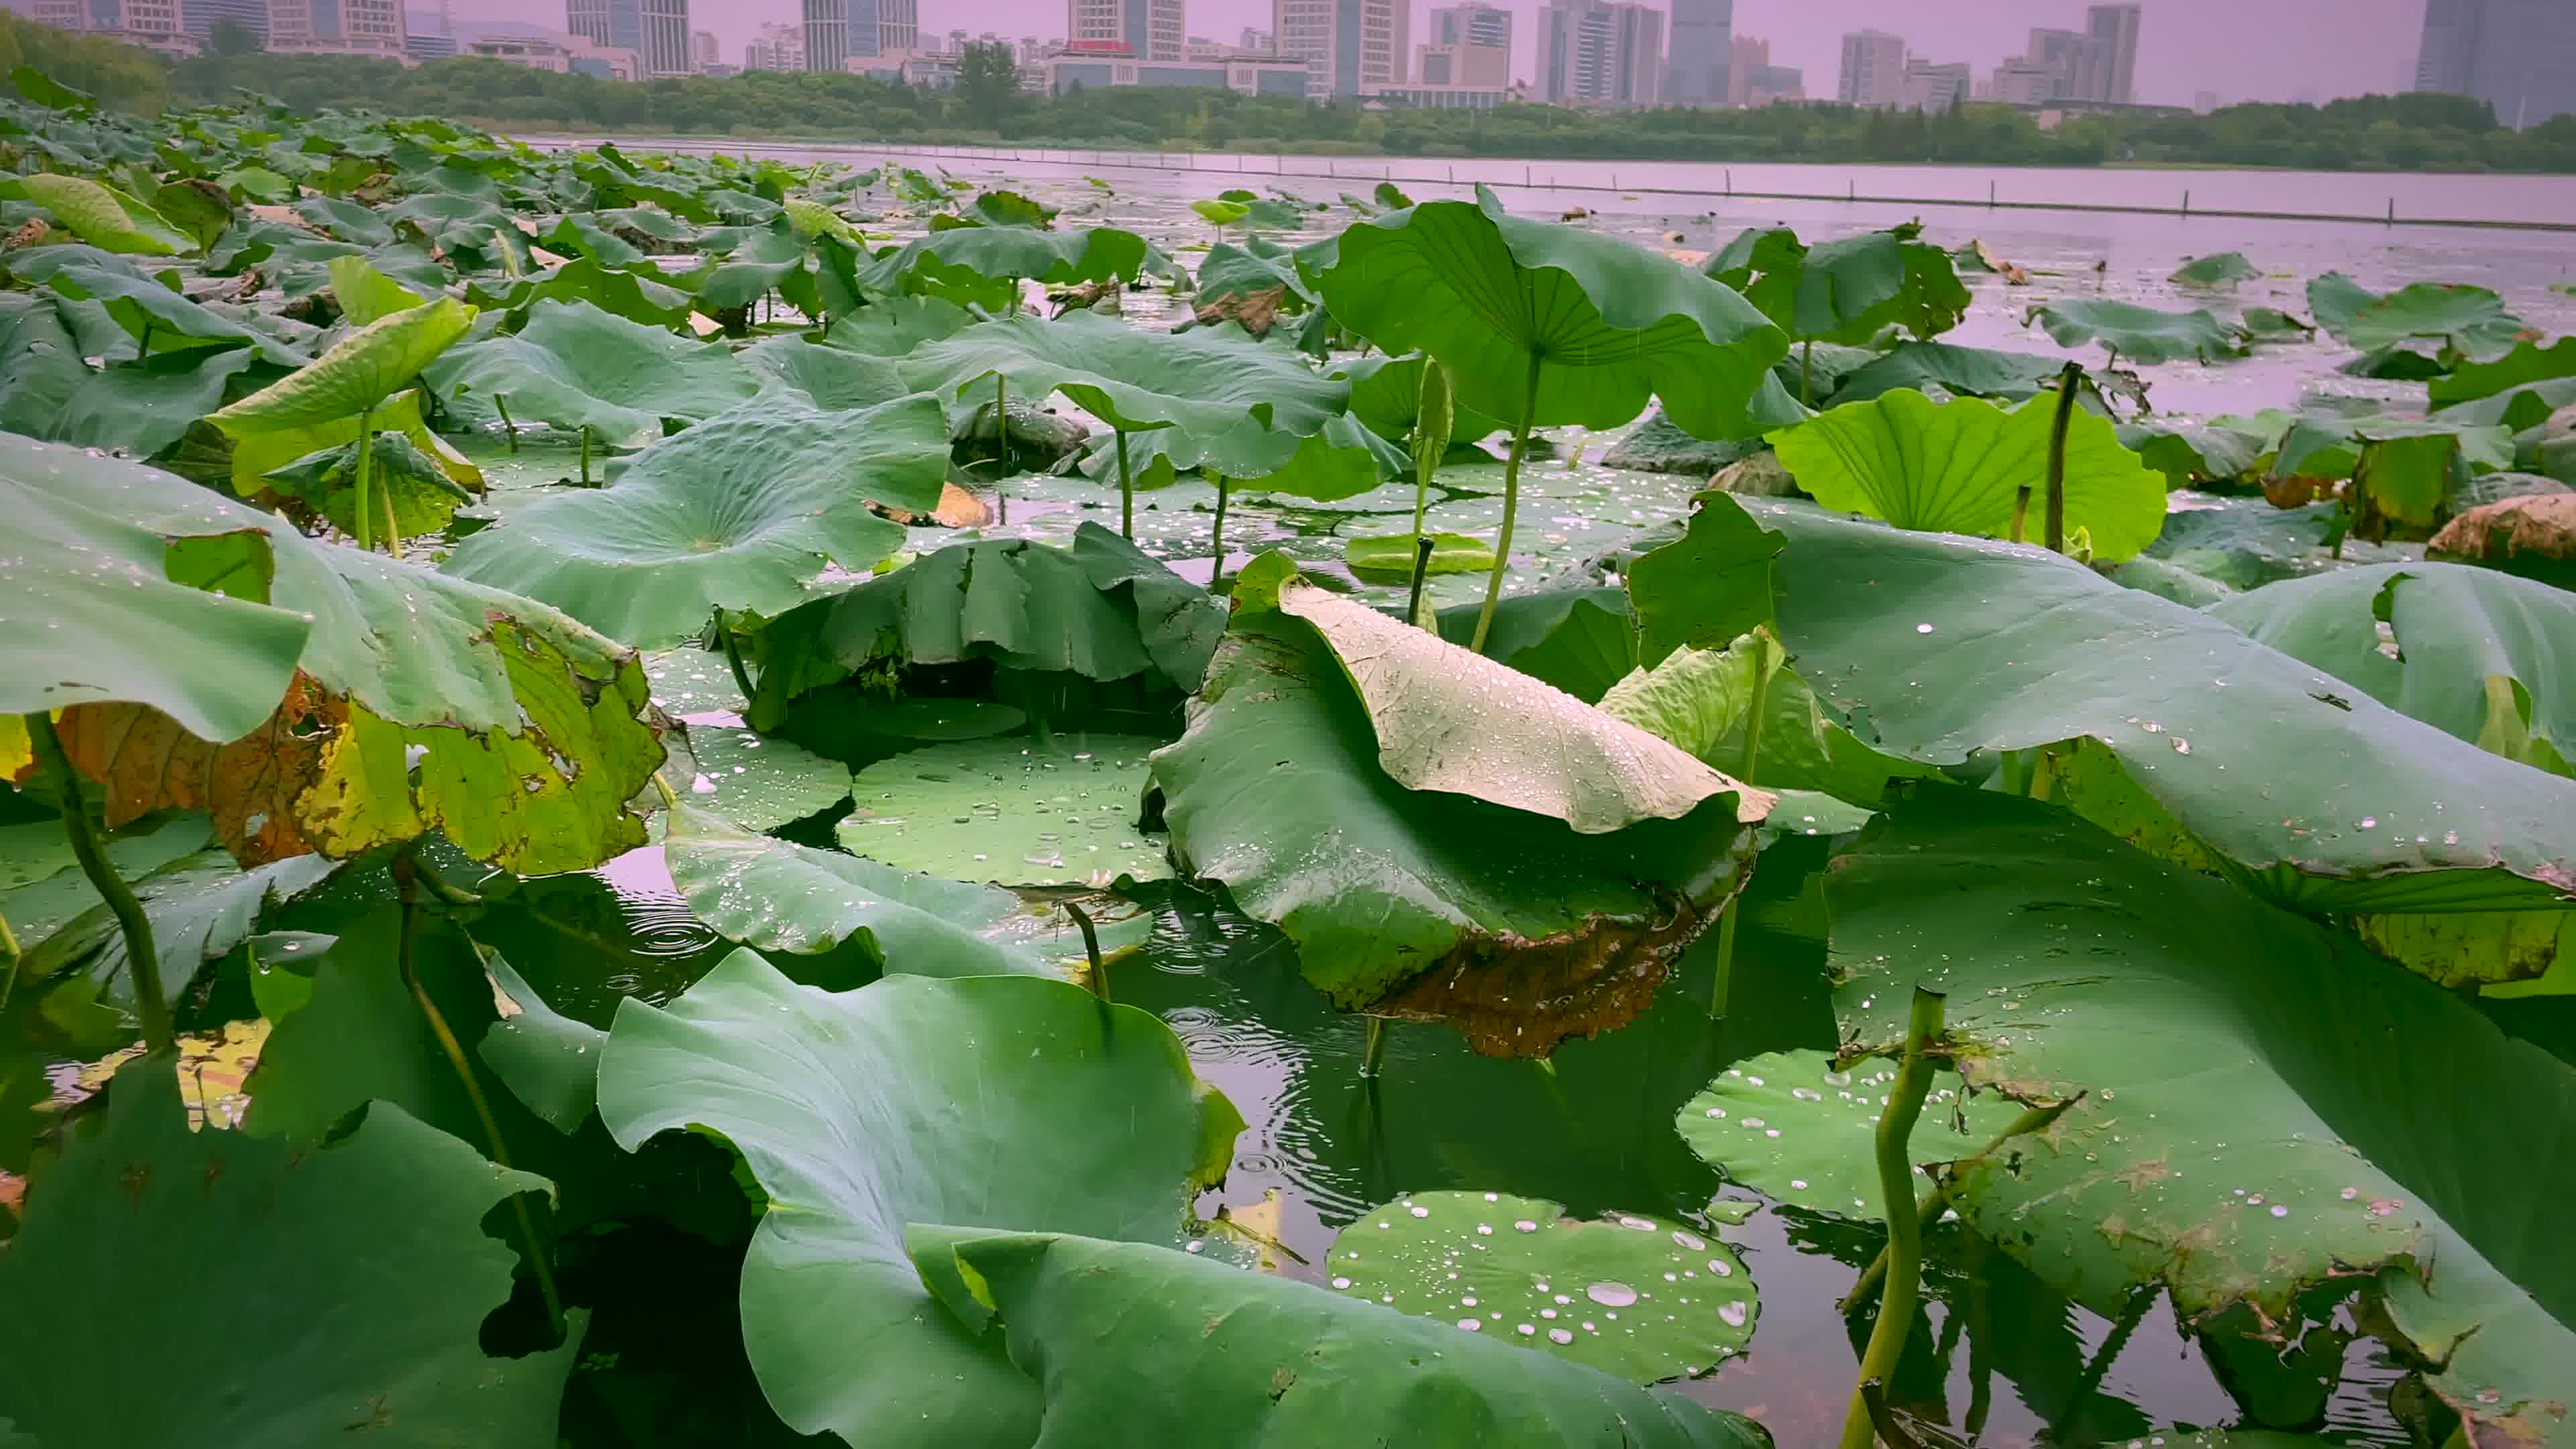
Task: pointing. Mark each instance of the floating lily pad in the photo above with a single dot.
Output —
(1788, 1125)
(1451, 553)
(692, 684)
(1010, 811)
(1640, 1298)
(757, 783)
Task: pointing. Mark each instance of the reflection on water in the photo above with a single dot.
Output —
(1994, 1347)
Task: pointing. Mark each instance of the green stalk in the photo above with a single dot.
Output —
(1091, 948)
(359, 508)
(1806, 361)
(1511, 506)
(1762, 667)
(2056, 517)
(1216, 567)
(141, 956)
(1904, 1226)
(1373, 1047)
(1927, 1210)
(1001, 423)
(733, 655)
(585, 455)
(407, 890)
(509, 429)
(1126, 491)
(1421, 574)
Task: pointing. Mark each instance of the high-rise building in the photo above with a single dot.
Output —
(338, 27)
(1873, 69)
(152, 24)
(1600, 52)
(703, 51)
(2518, 56)
(1462, 65)
(1933, 87)
(1695, 67)
(2020, 82)
(1349, 46)
(836, 31)
(1471, 23)
(1148, 29)
(199, 17)
(775, 47)
(2078, 62)
(1255, 42)
(657, 30)
(2116, 28)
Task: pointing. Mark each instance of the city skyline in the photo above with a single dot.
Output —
(2281, 50)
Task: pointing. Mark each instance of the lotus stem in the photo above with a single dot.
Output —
(142, 957)
(2067, 382)
(1090, 948)
(1722, 979)
(2021, 513)
(1126, 491)
(1216, 569)
(1372, 1047)
(1873, 1398)
(358, 507)
(1421, 575)
(2131, 1314)
(585, 455)
(9, 958)
(1806, 364)
(406, 958)
(393, 535)
(1904, 1228)
(733, 657)
(1001, 423)
(1511, 506)
(1928, 1209)
(509, 429)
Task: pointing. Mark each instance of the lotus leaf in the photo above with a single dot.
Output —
(1551, 323)
(1386, 394)
(358, 373)
(834, 379)
(1581, 641)
(633, 295)
(1700, 700)
(758, 784)
(1010, 811)
(783, 897)
(1965, 371)
(1968, 466)
(112, 602)
(549, 1061)
(2139, 334)
(985, 264)
(741, 512)
(1594, 1293)
(2527, 363)
(155, 317)
(2241, 1101)
(857, 1117)
(2224, 449)
(1394, 555)
(765, 262)
(1847, 290)
(1800, 1127)
(100, 215)
(1119, 1336)
(2471, 320)
(576, 366)
(1956, 649)
(2219, 269)
(1437, 904)
(365, 294)
(394, 1205)
(201, 907)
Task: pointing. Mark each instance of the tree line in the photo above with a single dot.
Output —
(2399, 133)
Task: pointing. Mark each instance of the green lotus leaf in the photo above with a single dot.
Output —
(1010, 208)
(387, 1218)
(1957, 649)
(782, 897)
(576, 366)
(1010, 811)
(347, 220)
(763, 263)
(100, 215)
(2137, 334)
(1440, 905)
(835, 379)
(1136, 1343)
(857, 1116)
(2432, 640)
(892, 327)
(1257, 267)
(2527, 363)
(41, 370)
(365, 294)
(357, 374)
(1554, 323)
(1581, 641)
(589, 235)
(419, 502)
(1800, 1128)
(811, 218)
(2331, 447)
(1244, 402)
(1394, 555)
(1950, 367)
(633, 295)
(1637, 1298)
(157, 318)
(1341, 459)
(2470, 320)
(476, 235)
(412, 487)
(1221, 212)
(1386, 394)
(2225, 449)
(549, 1061)
(2200, 1017)
(1962, 466)
(2271, 324)
(48, 92)
(741, 512)
(201, 906)
(110, 602)
(757, 783)
(138, 408)
(1701, 700)
(2219, 269)
(985, 264)
(1844, 291)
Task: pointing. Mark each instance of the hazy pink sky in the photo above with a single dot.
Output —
(2242, 49)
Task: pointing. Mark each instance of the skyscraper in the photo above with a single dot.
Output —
(1349, 46)
(1600, 52)
(1473, 23)
(1150, 29)
(657, 30)
(1695, 70)
(337, 27)
(2518, 56)
(2115, 27)
(2078, 62)
(1873, 69)
(199, 16)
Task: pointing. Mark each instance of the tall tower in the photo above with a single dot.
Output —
(1348, 46)
(1600, 52)
(2116, 28)
(1695, 68)
(1873, 69)
(1149, 29)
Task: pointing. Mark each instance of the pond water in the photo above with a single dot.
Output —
(1997, 1350)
